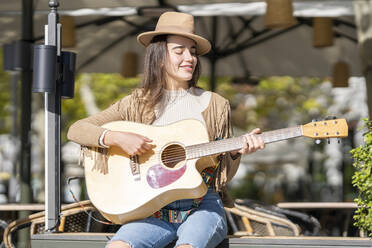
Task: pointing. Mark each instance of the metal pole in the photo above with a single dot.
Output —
(52, 130)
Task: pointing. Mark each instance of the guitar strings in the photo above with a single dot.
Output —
(169, 159)
(175, 157)
(175, 154)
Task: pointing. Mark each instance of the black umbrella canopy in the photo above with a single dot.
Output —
(105, 30)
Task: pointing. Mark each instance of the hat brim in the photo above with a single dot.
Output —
(203, 46)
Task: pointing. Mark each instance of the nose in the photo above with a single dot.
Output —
(188, 55)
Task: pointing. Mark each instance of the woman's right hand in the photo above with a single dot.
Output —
(131, 143)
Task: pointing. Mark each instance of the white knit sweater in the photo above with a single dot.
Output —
(181, 104)
(178, 105)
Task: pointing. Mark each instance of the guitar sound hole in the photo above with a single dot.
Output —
(172, 155)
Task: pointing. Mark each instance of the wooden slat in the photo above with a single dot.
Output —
(314, 205)
(304, 241)
(74, 236)
(21, 207)
(98, 240)
(247, 225)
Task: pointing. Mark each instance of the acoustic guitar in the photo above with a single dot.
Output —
(134, 187)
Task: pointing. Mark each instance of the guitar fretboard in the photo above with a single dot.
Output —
(236, 143)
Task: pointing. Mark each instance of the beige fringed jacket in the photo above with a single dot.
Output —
(217, 118)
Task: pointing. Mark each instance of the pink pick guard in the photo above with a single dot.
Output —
(158, 176)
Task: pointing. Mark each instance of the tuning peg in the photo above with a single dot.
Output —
(328, 141)
(314, 120)
(318, 141)
(330, 117)
(338, 141)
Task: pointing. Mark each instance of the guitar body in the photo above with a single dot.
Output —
(135, 188)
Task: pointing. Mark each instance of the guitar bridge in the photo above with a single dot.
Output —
(134, 166)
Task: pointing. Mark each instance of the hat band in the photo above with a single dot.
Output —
(174, 29)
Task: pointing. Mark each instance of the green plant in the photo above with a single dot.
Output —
(5, 99)
(362, 179)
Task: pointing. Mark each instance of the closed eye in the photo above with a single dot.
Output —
(180, 49)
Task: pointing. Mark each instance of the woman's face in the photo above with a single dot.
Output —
(181, 60)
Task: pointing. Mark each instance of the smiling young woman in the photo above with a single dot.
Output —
(169, 94)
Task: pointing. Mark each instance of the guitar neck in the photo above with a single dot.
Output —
(236, 143)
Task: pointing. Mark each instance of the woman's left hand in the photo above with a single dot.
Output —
(253, 142)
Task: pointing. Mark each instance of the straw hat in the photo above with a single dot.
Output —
(179, 24)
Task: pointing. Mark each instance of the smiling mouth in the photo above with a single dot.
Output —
(187, 68)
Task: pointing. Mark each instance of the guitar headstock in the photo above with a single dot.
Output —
(336, 128)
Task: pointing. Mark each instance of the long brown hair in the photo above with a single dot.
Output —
(154, 74)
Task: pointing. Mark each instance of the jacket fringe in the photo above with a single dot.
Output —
(98, 155)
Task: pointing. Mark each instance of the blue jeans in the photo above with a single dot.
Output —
(205, 227)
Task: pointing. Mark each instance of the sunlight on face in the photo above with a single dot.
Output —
(181, 60)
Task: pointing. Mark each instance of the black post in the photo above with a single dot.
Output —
(26, 77)
(212, 76)
(26, 100)
(12, 190)
(213, 57)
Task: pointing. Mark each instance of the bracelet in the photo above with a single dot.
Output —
(100, 141)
